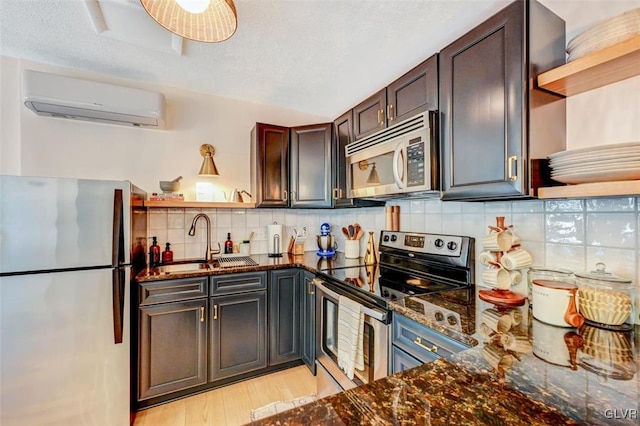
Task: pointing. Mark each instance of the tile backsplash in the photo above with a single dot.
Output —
(570, 234)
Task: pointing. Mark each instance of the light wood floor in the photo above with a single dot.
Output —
(231, 405)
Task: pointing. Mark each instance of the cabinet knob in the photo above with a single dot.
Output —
(286, 195)
(215, 312)
(381, 117)
(335, 193)
(202, 314)
(390, 112)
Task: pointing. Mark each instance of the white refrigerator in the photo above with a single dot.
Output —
(67, 250)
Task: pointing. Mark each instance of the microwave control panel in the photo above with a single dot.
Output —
(415, 162)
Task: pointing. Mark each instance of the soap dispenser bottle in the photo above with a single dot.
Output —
(167, 254)
(228, 245)
(154, 253)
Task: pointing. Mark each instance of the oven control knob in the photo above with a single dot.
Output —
(385, 238)
(439, 316)
(439, 243)
(452, 245)
(452, 320)
(394, 238)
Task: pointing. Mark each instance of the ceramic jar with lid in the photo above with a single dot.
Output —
(554, 302)
(547, 274)
(606, 300)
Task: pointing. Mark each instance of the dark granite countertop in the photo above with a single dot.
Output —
(528, 373)
(309, 261)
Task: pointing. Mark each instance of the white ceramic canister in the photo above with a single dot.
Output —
(554, 303)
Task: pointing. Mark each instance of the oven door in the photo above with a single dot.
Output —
(375, 342)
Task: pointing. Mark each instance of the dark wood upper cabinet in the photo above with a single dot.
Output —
(414, 92)
(369, 115)
(312, 177)
(270, 165)
(343, 135)
(494, 122)
(409, 95)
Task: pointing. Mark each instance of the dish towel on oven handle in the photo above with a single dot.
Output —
(350, 336)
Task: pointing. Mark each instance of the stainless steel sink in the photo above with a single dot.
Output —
(188, 266)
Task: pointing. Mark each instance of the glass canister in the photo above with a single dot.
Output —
(547, 274)
(605, 300)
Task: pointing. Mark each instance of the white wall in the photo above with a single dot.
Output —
(43, 146)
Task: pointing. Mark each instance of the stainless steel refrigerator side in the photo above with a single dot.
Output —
(59, 365)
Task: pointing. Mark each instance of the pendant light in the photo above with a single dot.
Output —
(208, 167)
(208, 21)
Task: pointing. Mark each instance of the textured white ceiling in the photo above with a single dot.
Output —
(316, 56)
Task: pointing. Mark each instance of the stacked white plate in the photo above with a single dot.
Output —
(603, 163)
(605, 34)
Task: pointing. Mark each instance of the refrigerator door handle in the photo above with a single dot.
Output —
(117, 249)
(118, 304)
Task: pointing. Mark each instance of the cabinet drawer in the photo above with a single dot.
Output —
(422, 342)
(401, 361)
(237, 283)
(172, 290)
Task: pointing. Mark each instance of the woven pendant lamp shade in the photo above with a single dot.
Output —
(216, 23)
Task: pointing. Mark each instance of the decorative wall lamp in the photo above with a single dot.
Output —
(373, 178)
(208, 21)
(208, 167)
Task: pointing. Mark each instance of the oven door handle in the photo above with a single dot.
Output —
(373, 313)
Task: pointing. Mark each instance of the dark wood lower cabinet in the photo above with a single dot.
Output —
(173, 347)
(238, 334)
(284, 316)
(308, 326)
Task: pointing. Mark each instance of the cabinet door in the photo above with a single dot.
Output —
(284, 316)
(311, 166)
(173, 347)
(343, 135)
(414, 92)
(482, 77)
(369, 116)
(270, 165)
(238, 329)
(308, 329)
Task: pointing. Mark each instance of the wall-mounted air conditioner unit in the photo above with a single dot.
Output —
(66, 97)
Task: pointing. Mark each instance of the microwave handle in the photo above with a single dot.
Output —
(396, 172)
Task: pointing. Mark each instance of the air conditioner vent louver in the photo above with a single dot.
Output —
(66, 97)
(411, 125)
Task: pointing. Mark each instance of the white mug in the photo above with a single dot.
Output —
(516, 259)
(498, 241)
(487, 256)
(497, 277)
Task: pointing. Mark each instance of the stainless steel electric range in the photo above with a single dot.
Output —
(410, 264)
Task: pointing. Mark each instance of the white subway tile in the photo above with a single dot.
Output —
(451, 207)
(416, 223)
(158, 220)
(416, 206)
(178, 251)
(529, 226)
(618, 261)
(175, 236)
(473, 208)
(433, 223)
(452, 224)
(498, 208)
(223, 218)
(611, 229)
(528, 206)
(571, 257)
(473, 226)
(238, 219)
(611, 204)
(266, 217)
(566, 228)
(175, 220)
(433, 206)
(253, 218)
(564, 205)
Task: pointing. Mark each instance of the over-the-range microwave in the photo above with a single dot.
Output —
(401, 160)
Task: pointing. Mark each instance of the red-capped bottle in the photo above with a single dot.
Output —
(228, 245)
